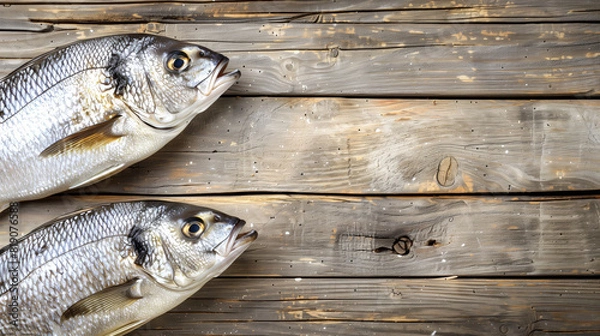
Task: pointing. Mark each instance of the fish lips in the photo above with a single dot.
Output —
(237, 242)
(219, 78)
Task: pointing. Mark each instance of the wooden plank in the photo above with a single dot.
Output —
(338, 256)
(376, 146)
(297, 36)
(23, 25)
(305, 11)
(390, 60)
(294, 328)
(500, 71)
(319, 236)
(274, 306)
(350, 328)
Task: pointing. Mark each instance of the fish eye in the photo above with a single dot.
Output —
(177, 61)
(193, 228)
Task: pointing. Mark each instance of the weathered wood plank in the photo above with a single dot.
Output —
(314, 236)
(500, 71)
(236, 37)
(331, 145)
(274, 306)
(327, 264)
(384, 60)
(305, 11)
(351, 328)
(307, 328)
(23, 25)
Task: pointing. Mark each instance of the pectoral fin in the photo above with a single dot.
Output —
(87, 139)
(107, 300)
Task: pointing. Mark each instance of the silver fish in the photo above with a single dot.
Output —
(88, 110)
(110, 269)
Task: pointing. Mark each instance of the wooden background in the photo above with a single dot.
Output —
(468, 127)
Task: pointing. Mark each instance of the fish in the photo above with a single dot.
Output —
(109, 269)
(86, 111)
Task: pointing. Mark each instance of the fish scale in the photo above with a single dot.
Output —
(64, 289)
(86, 111)
(48, 73)
(79, 274)
(81, 229)
(75, 247)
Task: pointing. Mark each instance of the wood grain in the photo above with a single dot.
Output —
(439, 11)
(321, 236)
(325, 306)
(375, 146)
(384, 60)
(380, 148)
(298, 36)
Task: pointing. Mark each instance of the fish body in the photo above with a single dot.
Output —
(110, 269)
(88, 110)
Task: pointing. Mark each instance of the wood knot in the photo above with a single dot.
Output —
(334, 52)
(447, 171)
(402, 245)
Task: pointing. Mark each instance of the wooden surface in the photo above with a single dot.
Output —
(374, 60)
(468, 128)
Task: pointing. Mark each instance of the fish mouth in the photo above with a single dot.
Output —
(219, 78)
(236, 242)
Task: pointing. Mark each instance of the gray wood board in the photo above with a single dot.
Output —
(305, 11)
(301, 306)
(320, 236)
(246, 37)
(328, 113)
(376, 146)
(377, 60)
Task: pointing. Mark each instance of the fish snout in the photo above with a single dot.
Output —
(236, 241)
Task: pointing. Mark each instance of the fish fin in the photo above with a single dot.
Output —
(126, 328)
(107, 300)
(102, 175)
(88, 138)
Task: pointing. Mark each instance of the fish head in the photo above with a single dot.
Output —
(175, 81)
(187, 246)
